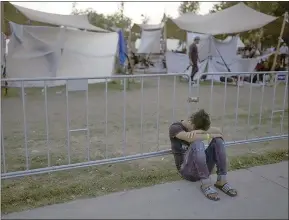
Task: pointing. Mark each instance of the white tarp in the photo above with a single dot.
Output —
(240, 43)
(172, 44)
(150, 42)
(148, 27)
(236, 19)
(177, 62)
(214, 56)
(211, 47)
(58, 52)
(76, 21)
(137, 28)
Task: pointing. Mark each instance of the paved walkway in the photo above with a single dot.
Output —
(263, 193)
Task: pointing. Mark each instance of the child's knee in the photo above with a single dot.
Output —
(219, 142)
(198, 145)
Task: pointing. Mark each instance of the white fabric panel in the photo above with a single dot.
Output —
(210, 46)
(148, 27)
(236, 19)
(264, 57)
(56, 52)
(216, 56)
(244, 65)
(150, 42)
(213, 67)
(88, 54)
(176, 62)
(76, 21)
(224, 51)
(172, 44)
(137, 43)
(30, 54)
(240, 43)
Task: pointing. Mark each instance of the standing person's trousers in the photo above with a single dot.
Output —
(195, 69)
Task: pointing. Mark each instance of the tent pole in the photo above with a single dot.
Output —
(165, 33)
(129, 52)
(279, 43)
(222, 58)
(165, 38)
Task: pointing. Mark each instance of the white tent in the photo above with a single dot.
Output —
(150, 42)
(151, 34)
(172, 44)
(74, 21)
(214, 56)
(36, 51)
(236, 19)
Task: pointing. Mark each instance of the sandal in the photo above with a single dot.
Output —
(209, 191)
(227, 189)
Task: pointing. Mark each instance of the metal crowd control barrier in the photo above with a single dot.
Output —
(81, 84)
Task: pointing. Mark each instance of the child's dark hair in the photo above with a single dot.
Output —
(201, 120)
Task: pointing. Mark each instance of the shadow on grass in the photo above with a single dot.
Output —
(35, 191)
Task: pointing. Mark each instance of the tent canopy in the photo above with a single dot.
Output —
(75, 21)
(137, 28)
(236, 19)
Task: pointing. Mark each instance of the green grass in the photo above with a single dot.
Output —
(30, 192)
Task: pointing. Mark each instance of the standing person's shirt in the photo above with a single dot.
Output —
(284, 50)
(193, 54)
(178, 146)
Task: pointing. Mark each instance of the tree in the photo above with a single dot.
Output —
(115, 20)
(145, 19)
(187, 6)
(269, 34)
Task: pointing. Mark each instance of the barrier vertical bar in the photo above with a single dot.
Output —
(124, 117)
(249, 110)
(225, 99)
(198, 91)
(262, 99)
(273, 103)
(3, 150)
(47, 125)
(190, 91)
(284, 102)
(237, 103)
(141, 117)
(211, 97)
(106, 127)
(25, 126)
(158, 114)
(67, 124)
(87, 125)
(174, 99)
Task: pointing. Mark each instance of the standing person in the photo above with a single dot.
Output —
(193, 161)
(283, 54)
(194, 56)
